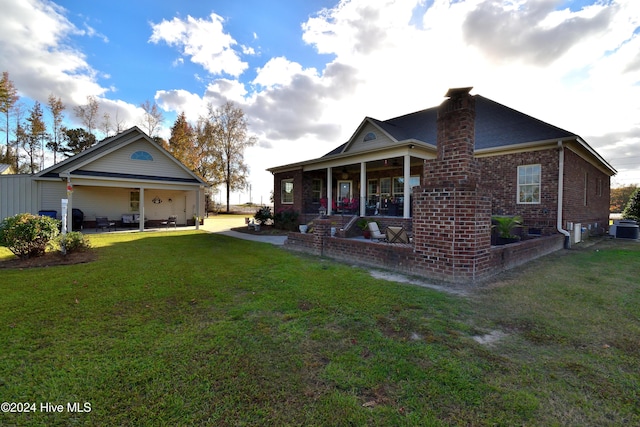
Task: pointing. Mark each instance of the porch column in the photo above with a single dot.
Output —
(69, 204)
(329, 190)
(197, 209)
(406, 211)
(141, 222)
(363, 189)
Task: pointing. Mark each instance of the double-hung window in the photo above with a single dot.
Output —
(529, 182)
(286, 191)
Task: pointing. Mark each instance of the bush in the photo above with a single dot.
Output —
(286, 219)
(27, 235)
(632, 210)
(73, 241)
(263, 215)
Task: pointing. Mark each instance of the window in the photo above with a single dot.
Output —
(142, 155)
(344, 190)
(286, 191)
(529, 184)
(370, 137)
(134, 201)
(385, 187)
(398, 184)
(316, 190)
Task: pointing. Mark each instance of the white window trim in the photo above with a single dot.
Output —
(518, 185)
(282, 192)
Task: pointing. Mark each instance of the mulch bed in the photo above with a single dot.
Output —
(265, 230)
(49, 259)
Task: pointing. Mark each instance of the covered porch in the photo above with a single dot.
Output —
(371, 184)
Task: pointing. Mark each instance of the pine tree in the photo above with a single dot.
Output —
(182, 143)
(35, 132)
(8, 98)
(632, 210)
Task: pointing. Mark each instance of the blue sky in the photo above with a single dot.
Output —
(307, 72)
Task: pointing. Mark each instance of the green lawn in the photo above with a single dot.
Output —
(190, 328)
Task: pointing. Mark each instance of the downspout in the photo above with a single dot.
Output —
(567, 236)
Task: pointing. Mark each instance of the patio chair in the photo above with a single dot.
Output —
(102, 222)
(170, 221)
(397, 235)
(375, 231)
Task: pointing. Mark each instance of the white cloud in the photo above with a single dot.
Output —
(280, 71)
(203, 41)
(40, 59)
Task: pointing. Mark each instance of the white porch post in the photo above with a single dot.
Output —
(198, 209)
(406, 211)
(363, 189)
(69, 204)
(329, 190)
(141, 222)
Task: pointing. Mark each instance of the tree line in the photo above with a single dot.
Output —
(212, 147)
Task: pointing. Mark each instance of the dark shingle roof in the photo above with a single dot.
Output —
(496, 126)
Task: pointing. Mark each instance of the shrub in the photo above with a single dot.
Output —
(632, 210)
(27, 235)
(286, 219)
(263, 215)
(73, 241)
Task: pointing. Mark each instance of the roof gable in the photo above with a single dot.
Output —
(496, 126)
(129, 154)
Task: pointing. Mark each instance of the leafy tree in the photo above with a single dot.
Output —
(56, 107)
(77, 140)
(227, 134)
(8, 98)
(620, 197)
(88, 114)
(35, 132)
(152, 118)
(632, 210)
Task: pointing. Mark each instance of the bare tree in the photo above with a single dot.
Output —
(56, 107)
(106, 124)
(229, 138)
(88, 114)
(120, 124)
(152, 118)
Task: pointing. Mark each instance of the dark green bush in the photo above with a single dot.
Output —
(286, 219)
(27, 235)
(73, 241)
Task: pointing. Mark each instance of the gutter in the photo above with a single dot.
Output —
(567, 235)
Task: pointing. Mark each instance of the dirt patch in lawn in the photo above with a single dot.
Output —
(49, 259)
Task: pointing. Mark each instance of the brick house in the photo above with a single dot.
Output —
(444, 171)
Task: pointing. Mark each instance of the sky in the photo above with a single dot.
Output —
(306, 73)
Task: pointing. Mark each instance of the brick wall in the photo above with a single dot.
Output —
(500, 179)
(586, 194)
(297, 177)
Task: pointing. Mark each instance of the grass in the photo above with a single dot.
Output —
(190, 328)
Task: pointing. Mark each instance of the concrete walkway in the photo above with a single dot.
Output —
(222, 224)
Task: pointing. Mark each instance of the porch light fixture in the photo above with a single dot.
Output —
(157, 200)
(345, 174)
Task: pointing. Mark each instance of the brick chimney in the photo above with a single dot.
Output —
(451, 218)
(455, 166)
